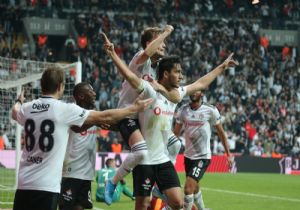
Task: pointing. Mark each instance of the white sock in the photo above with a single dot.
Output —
(138, 152)
(199, 200)
(166, 207)
(188, 202)
(174, 145)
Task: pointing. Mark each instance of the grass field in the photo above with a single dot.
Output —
(242, 191)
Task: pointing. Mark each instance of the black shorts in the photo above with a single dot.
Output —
(35, 200)
(144, 177)
(75, 192)
(195, 168)
(127, 126)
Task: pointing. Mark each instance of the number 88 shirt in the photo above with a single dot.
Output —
(46, 122)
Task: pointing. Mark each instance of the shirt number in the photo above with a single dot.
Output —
(46, 140)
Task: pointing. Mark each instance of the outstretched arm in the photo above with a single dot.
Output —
(112, 116)
(154, 45)
(133, 80)
(204, 82)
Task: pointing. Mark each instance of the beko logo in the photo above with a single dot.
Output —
(40, 107)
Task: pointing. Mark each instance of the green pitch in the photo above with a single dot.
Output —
(242, 191)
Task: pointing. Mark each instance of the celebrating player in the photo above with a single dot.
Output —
(156, 124)
(197, 118)
(46, 121)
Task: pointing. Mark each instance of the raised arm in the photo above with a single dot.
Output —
(131, 78)
(203, 82)
(17, 106)
(154, 45)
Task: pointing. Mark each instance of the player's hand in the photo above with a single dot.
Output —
(230, 62)
(169, 28)
(141, 104)
(108, 46)
(230, 161)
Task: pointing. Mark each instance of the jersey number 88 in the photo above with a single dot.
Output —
(45, 139)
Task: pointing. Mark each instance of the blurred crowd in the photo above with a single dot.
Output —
(259, 100)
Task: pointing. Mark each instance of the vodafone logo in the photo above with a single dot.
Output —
(157, 111)
(84, 133)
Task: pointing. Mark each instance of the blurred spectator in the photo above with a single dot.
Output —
(116, 147)
(260, 99)
(82, 42)
(42, 40)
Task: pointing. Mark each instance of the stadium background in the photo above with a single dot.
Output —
(259, 100)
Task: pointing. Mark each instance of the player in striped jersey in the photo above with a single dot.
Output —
(156, 124)
(197, 118)
(46, 121)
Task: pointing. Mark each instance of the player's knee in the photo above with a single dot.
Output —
(176, 204)
(189, 188)
(141, 154)
(140, 150)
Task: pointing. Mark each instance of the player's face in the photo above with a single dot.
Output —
(89, 97)
(175, 76)
(195, 97)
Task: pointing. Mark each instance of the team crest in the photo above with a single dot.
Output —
(69, 192)
(147, 181)
(200, 164)
(131, 122)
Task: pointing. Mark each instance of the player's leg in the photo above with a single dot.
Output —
(168, 182)
(84, 199)
(68, 193)
(189, 189)
(143, 180)
(130, 131)
(35, 200)
(195, 170)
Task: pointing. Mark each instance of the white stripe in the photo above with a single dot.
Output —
(97, 208)
(252, 194)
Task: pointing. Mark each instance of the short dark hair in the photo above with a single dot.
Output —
(166, 64)
(51, 79)
(78, 88)
(148, 34)
(108, 161)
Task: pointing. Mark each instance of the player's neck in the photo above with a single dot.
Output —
(154, 61)
(53, 95)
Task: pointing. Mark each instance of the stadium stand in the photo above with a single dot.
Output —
(259, 100)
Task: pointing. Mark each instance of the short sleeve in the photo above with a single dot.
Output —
(147, 89)
(216, 117)
(21, 116)
(73, 114)
(182, 92)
